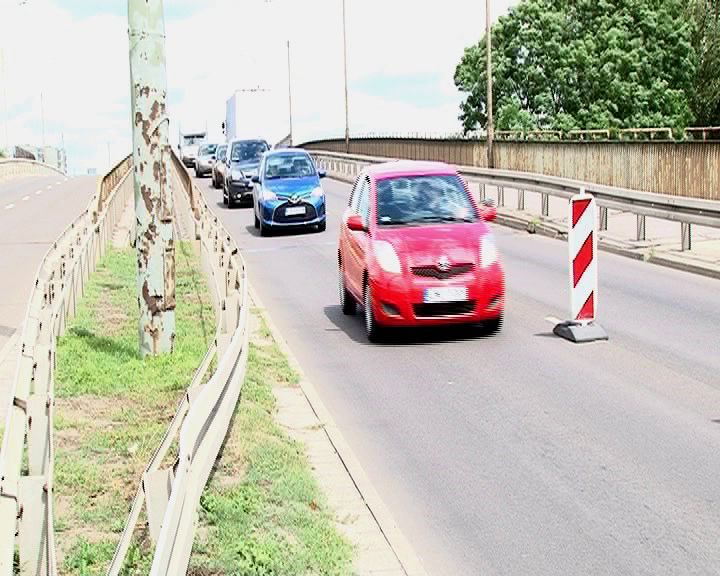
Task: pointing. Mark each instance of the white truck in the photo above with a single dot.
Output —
(257, 113)
(189, 145)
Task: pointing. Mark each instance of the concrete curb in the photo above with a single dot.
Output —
(402, 549)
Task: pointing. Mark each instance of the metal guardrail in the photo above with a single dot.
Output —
(686, 211)
(171, 495)
(15, 167)
(26, 492)
(111, 180)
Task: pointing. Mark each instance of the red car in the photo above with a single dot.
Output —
(415, 250)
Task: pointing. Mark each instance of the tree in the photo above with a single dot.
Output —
(705, 97)
(584, 64)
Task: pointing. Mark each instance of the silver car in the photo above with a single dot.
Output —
(205, 160)
(218, 171)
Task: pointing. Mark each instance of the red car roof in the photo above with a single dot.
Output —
(409, 168)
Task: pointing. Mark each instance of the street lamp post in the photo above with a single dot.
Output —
(42, 118)
(3, 79)
(290, 94)
(488, 51)
(347, 113)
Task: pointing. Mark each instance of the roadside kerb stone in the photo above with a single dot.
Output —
(380, 547)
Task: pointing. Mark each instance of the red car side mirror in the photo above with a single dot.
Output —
(489, 213)
(488, 210)
(355, 223)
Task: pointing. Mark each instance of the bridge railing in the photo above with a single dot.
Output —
(686, 211)
(26, 492)
(16, 167)
(688, 168)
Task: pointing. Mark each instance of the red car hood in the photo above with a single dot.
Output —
(424, 245)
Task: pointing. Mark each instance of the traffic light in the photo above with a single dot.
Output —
(223, 127)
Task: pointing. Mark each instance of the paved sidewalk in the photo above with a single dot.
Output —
(380, 549)
(662, 244)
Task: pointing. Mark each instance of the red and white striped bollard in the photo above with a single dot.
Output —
(583, 272)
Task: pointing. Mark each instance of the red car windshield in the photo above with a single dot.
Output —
(415, 200)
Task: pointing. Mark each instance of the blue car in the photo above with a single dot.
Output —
(287, 192)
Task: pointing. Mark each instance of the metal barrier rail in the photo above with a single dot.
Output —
(171, 495)
(686, 211)
(14, 167)
(26, 496)
(111, 180)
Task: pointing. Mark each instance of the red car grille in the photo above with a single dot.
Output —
(444, 309)
(433, 272)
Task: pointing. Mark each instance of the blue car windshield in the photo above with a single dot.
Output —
(289, 166)
(419, 200)
(248, 150)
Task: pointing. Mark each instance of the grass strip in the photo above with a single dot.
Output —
(262, 513)
(113, 407)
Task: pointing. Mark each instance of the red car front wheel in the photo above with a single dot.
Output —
(347, 302)
(372, 328)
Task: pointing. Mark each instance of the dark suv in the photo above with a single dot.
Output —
(241, 164)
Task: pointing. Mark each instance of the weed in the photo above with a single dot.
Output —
(113, 407)
(269, 518)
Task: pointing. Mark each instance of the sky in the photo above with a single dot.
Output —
(66, 61)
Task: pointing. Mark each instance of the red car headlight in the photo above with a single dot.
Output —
(488, 251)
(386, 256)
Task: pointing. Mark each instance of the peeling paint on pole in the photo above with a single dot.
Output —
(153, 196)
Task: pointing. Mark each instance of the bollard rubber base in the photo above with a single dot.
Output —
(579, 332)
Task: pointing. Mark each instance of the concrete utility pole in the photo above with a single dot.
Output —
(490, 128)
(3, 80)
(347, 113)
(153, 194)
(290, 92)
(42, 118)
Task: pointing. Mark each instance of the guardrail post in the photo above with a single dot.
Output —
(38, 421)
(603, 219)
(157, 486)
(640, 227)
(501, 196)
(521, 200)
(32, 528)
(545, 201)
(231, 312)
(686, 236)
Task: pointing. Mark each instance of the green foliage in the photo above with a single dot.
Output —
(585, 64)
(113, 407)
(99, 355)
(87, 558)
(705, 98)
(263, 513)
(511, 116)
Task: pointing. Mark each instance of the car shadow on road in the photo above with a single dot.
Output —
(354, 327)
(283, 232)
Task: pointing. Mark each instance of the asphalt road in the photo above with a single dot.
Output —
(33, 213)
(521, 454)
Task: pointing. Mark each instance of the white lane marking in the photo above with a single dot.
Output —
(26, 198)
(9, 206)
(38, 192)
(49, 186)
(553, 320)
